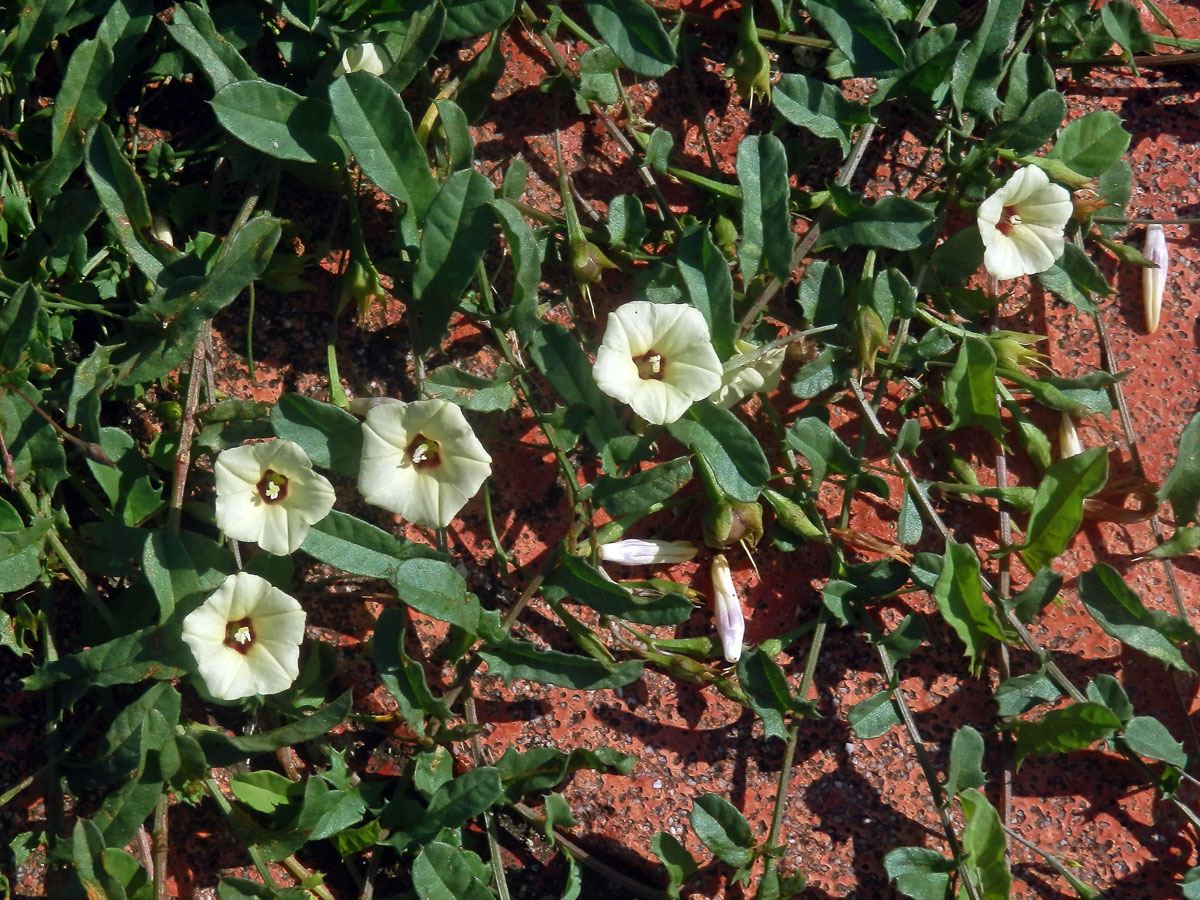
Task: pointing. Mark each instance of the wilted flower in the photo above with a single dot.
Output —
(1154, 281)
(246, 638)
(1022, 224)
(731, 624)
(658, 358)
(362, 58)
(421, 460)
(1068, 437)
(749, 373)
(269, 493)
(636, 552)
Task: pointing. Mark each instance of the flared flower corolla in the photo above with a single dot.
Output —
(759, 372)
(637, 552)
(658, 358)
(421, 460)
(268, 493)
(1022, 224)
(730, 622)
(246, 638)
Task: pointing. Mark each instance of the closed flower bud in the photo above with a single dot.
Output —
(751, 63)
(870, 335)
(730, 522)
(588, 263)
(1068, 437)
(731, 624)
(635, 552)
(362, 58)
(1154, 281)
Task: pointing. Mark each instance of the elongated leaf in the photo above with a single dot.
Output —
(731, 451)
(1058, 505)
(896, 223)
(1091, 143)
(442, 871)
(1120, 612)
(966, 761)
(411, 51)
(353, 545)
(122, 195)
(679, 863)
(1074, 278)
(1146, 736)
(574, 579)
(709, 285)
(766, 224)
(873, 717)
(970, 392)
(471, 391)
(278, 122)
(1182, 486)
(818, 106)
(1184, 541)
(642, 492)
(861, 32)
(1021, 694)
(464, 797)
(984, 847)
(511, 659)
(722, 829)
(18, 318)
(919, 873)
(436, 589)
(469, 18)
(959, 596)
(403, 677)
(330, 436)
(633, 31)
(194, 31)
(526, 256)
(1073, 727)
(824, 450)
(980, 66)
(1038, 123)
(377, 129)
(221, 749)
(767, 690)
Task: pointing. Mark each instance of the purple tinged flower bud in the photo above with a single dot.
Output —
(1154, 281)
(731, 624)
(635, 552)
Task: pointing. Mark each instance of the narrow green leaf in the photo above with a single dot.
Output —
(966, 761)
(861, 32)
(403, 678)
(355, 546)
(919, 873)
(464, 797)
(1119, 611)
(411, 49)
(18, 319)
(892, 222)
(767, 690)
(194, 31)
(731, 451)
(470, 18)
(1073, 727)
(1091, 143)
(512, 659)
(1146, 736)
(970, 391)
(766, 223)
(574, 579)
(526, 255)
(722, 829)
(330, 436)
(1182, 486)
(637, 37)
(1184, 541)
(1058, 505)
(377, 129)
(709, 285)
(980, 65)
(642, 492)
(679, 863)
(222, 750)
(984, 847)
(873, 717)
(959, 596)
(436, 589)
(278, 122)
(123, 197)
(818, 106)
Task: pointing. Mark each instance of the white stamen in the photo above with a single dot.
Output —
(242, 635)
(272, 490)
(656, 363)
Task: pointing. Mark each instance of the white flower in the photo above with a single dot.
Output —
(658, 358)
(635, 552)
(752, 371)
(269, 493)
(1068, 437)
(1022, 224)
(421, 460)
(731, 624)
(246, 638)
(361, 58)
(1154, 281)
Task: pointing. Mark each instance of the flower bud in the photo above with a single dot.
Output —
(1154, 281)
(362, 58)
(751, 63)
(588, 263)
(871, 335)
(636, 552)
(1012, 349)
(731, 624)
(1068, 438)
(729, 522)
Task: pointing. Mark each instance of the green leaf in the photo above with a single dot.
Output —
(456, 130)
(1146, 736)
(194, 31)
(457, 231)
(377, 129)
(723, 830)
(767, 691)
(892, 222)
(1073, 278)
(330, 436)
(278, 122)
(762, 172)
(403, 678)
(823, 449)
(966, 761)
(464, 797)
(679, 863)
(984, 847)
(1037, 124)
(823, 294)
(512, 659)
(20, 549)
(708, 285)
(919, 873)
(1184, 541)
(642, 492)
(1119, 611)
(357, 547)
(128, 485)
(472, 392)
(265, 791)
(1107, 691)
(731, 451)
(633, 30)
(434, 588)
(122, 196)
(526, 255)
(1073, 727)
(1182, 486)
(1191, 884)
(222, 750)
(411, 50)
(873, 717)
(1091, 143)
(574, 579)
(818, 106)
(444, 872)
(18, 318)
(469, 18)
(861, 32)
(1058, 505)
(1040, 591)
(1018, 695)
(959, 596)
(124, 660)
(183, 568)
(970, 389)
(980, 65)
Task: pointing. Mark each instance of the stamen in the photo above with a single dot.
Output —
(239, 635)
(272, 487)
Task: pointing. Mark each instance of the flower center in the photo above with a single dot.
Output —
(650, 365)
(273, 487)
(1008, 218)
(423, 452)
(239, 635)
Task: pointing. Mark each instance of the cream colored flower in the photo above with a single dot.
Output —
(246, 638)
(269, 493)
(362, 58)
(1154, 281)
(658, 358)
(636, 552)
(1068, 437)
(421, 460)
(749, 372)
(730, 622)
(1022, 224)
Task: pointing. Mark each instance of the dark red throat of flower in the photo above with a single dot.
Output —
(273, 487)
(1008, 218)
(651, 365)
(239, 635)
(423, 452)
